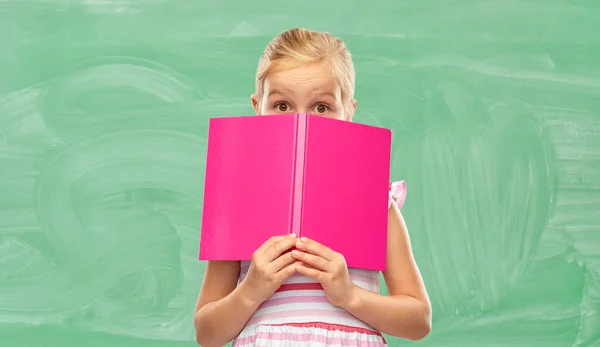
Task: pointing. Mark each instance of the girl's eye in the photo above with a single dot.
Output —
(282, 107)
(321, 108)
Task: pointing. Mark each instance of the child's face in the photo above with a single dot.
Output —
(304, 89)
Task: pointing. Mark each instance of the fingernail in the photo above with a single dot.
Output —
(294, 253)
(303, 238)
(293, 234)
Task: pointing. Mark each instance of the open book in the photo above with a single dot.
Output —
(322, 178)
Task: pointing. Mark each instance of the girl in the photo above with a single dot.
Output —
(308, 297)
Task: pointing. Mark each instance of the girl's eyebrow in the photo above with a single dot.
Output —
(322, 92)
(282, 91)
(328, 95)
(314, 93)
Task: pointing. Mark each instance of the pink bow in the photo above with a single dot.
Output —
(398, 192)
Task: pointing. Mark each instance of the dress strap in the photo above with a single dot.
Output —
(397, 193)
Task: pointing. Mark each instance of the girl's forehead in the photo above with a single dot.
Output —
(301, 77)
(301, 70)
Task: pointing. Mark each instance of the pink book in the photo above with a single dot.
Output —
(317, 177)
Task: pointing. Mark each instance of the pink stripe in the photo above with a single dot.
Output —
(299, 286)
(332, 313)
(293, 300)
(306, 337)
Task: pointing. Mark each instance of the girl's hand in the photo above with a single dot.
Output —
(269, 268)
(326, 267)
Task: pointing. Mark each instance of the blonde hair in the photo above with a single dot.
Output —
(300, 45)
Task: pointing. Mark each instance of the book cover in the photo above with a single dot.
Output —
(321, 178)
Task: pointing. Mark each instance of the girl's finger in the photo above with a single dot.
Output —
(281, 262)
(314, 261)
(270, 242)
(286, 272)
(277, 249)
(313, 247)
(311, 273)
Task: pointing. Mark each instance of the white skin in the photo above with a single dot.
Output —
(224, 307)
(308, 88)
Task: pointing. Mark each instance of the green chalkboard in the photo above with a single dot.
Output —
(494, 107)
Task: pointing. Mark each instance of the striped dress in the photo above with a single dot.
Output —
(299, 314)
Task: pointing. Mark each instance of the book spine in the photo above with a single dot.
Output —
(298, 182)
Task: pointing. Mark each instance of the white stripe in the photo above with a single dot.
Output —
(298, 306)
(310, 319)
(368, 286)
(288, 293)
(320, 332)
(358, 337)
(266, 343)
(304, 279)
